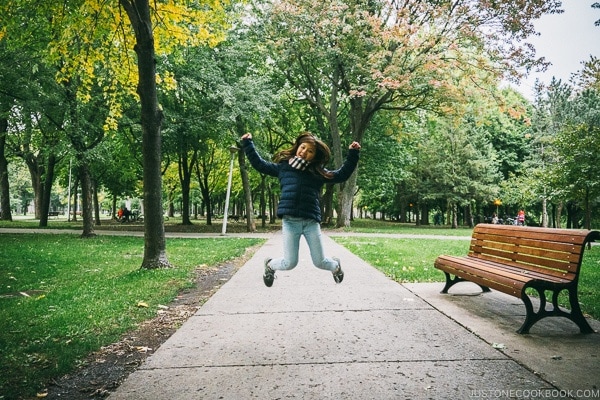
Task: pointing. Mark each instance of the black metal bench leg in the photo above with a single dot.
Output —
(576, 315)
(531, 317)
(452, 281)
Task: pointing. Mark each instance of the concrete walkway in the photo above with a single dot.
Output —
(366, 338)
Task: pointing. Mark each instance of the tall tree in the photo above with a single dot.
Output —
(38, 138)
(353, 58)
(5, 207)
(579, 159)
(536, 178)
(92, 22)
(29, 102)
(138, 12)
(196, 126)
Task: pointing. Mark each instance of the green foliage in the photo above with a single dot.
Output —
(436, 127)
(562, 166)
(577, 145)
(384, 165)
(460, 162)
(83, 294)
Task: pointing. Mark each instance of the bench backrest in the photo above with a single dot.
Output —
(556, 252)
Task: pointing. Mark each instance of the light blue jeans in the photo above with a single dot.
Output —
(293, 228)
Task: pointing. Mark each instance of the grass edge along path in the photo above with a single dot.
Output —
(62, 297)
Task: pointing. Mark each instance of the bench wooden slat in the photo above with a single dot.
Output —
(527, 244)
(552, 255)
(511, 259)
(552, 266)
(464, 268)
(507, 277)
(576, 236)
(513, 273)
(511, 278)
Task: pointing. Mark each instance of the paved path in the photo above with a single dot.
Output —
(366, 338)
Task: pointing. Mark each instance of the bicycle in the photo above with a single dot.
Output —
(136, 216)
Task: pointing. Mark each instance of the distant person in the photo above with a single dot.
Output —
(126, 214)
(302, 174)
(494, 219)
(437, 218)
(521, 217)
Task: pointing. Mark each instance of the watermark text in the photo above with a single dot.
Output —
(535, 393)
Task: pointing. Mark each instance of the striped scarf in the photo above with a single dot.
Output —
(298, 163)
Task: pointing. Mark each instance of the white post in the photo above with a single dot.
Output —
(69, 194)
(233, 150)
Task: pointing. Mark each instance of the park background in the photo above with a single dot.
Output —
(433, 94)
(142, 105)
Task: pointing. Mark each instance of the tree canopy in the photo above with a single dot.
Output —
(174, 84)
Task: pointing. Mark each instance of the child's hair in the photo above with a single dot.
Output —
(322, 154)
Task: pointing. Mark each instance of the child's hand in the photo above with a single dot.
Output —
(247, 136)
(355, 145)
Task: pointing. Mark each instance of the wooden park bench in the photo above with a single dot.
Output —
(512, 259)
(53, 213)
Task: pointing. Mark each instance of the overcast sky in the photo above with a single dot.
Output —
(565, 40)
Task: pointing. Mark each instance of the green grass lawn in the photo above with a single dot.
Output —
(62, 297)
(172, 224)
(404, 260)
(378, 226)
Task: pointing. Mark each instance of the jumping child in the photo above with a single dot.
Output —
(302, 174)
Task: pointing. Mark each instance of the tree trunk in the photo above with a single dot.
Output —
(87, 210)
(454, 216)
(46, 191)
(5, 212)
(359, 120)
(114, 207)
(469, 216)
(185, 178)
(185, 202)
(155, 255)
(272, 205)
(250, 223)
(35, 172)
(96, 203)
(558, 216)
(205, 193)
(570, 216)
(346, 196)
(544, 223)
(424, 214)
(417, 209)
(327, 204)
(75, 207)
(587, 224)
(262, 202)
(403, 212)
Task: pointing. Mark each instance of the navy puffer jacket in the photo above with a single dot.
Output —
(299, 189)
